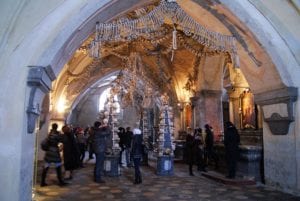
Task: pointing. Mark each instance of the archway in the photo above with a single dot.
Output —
(18, 144)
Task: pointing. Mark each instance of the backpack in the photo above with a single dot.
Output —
(45, 144)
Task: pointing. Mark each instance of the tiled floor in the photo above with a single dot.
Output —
(180, 186)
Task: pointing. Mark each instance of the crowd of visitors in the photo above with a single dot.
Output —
(74, 142)
(199, 149)
(67, 149)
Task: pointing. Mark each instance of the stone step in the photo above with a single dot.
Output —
(222, 179)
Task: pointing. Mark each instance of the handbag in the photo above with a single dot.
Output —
(45, 144)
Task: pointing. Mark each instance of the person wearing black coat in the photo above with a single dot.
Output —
(52, 155)
(199, 149)
(121, 134)
(190, 149)
(137, 152)
(231, 143)
(99, 136)
(127, 144)
(209, 146)
(70, 151)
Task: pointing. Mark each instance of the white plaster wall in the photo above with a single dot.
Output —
(280, 159)
(29, 29)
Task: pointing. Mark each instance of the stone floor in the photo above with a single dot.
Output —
(180, 186)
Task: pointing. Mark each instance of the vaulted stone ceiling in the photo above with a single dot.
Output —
(166, 74)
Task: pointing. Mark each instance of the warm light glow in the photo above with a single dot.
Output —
(61, 105)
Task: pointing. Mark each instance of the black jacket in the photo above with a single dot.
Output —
(231, 139)
(137, 146)
(71, 152)
(52, 154)
(99, 138)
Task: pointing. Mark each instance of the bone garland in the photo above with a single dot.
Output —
(128, 30)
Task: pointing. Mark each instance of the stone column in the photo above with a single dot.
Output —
(209, 108)
(234, 106)
(195, 112)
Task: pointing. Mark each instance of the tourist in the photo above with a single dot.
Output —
(99, 135)
(231, 142)
(190, 150)
(127, 145)
(137, 152)
(52, 155)
(70, 151)
(81, 143)
(199, 149)
(121, 134)
(210, 153)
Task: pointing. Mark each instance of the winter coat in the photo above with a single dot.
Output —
(231, 140)
(71, 152)
(52, 155)
(190, 148)
(209, 139)
(128, 138)
(121, 135)
(137, 146)
(99, 138)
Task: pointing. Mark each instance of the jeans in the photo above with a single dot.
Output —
(127, 155)
(137, 172)
(99, 166)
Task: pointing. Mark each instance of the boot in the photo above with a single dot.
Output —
(44, 174)
(136, 181)
(191, 170)
(59, 176)
(140, 179)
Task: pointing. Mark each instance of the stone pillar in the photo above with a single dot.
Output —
(234, 106)
(235, 111)
(209, 108)
(195, 112)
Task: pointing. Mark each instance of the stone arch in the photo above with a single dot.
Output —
(59, 45)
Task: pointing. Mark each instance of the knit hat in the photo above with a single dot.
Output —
(137, 131)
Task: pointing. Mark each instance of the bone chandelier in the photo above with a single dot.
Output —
(125, 30)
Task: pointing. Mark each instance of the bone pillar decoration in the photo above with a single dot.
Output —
(39, 80)
(211, 110)
(278, 108)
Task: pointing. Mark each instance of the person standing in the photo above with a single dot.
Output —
(231, 143)
(199, 149)
(99, 135)
(82, 143)
(121, 134)
(127, 145)
(137, 152)
(70, 151)
(190, 150)
(209, 146)
(89, 142)
(52, 155)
